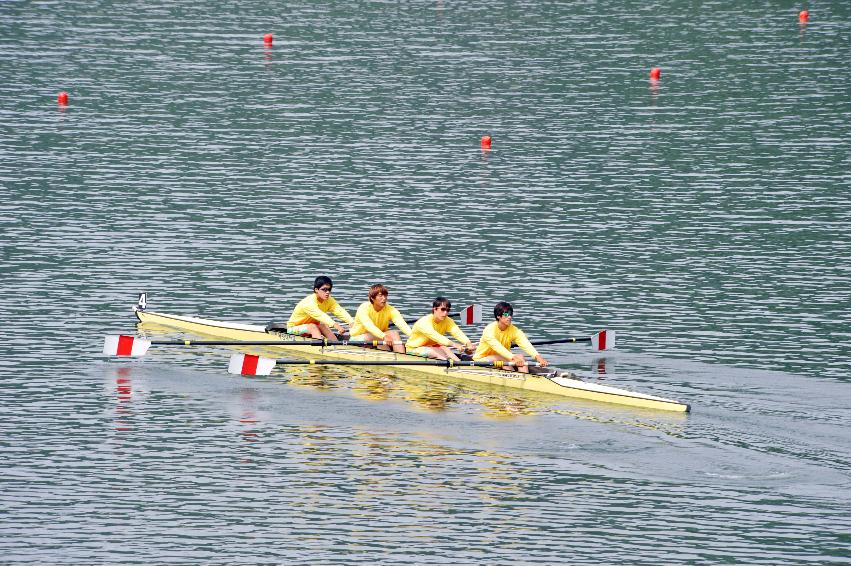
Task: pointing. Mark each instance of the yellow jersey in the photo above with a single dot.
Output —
(310, 309)
(496, 341)
(367, 319)
(427, 332)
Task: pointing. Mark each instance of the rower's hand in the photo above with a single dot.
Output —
(518, 360)
(388, 341)
(339, 328)
(541, 361)
(469, 347)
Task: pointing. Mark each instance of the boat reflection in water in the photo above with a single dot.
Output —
(428, 474)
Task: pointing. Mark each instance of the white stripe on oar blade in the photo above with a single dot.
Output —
(125, 345)
(603, 340)
(471, 314)
(249, 364)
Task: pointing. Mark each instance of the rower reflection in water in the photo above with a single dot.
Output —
(495, 344)
(373, 318)
(427, 336)
(310, 316)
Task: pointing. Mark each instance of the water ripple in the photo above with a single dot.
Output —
(704, 217)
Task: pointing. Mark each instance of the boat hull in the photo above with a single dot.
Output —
(565, 385)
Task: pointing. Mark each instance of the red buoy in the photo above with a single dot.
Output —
(803, 16)
(655, 73)
(486, 142)
(62, 98)
(268, 39)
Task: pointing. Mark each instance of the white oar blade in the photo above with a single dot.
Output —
(125, 345)
(471, 314)
(603, 340)
(249, 364)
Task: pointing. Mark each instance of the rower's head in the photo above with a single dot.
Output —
(442, 305)
(322, 286)
(503, 309)
(376, 290)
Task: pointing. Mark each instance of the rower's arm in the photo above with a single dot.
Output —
(434, 336)
(457, 333)
(313, 312)
(342, 314)
(397, 319)
(524, 344)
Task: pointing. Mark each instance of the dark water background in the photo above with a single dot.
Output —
(705, 217)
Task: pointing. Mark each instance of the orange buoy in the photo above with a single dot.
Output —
(62, 98)
(803, 16)
(655, 73)
(268, 39)
(486, 142)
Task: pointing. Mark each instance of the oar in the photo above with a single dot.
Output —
(603, 340)
(249, 364)
(471, 314)
(127, 345)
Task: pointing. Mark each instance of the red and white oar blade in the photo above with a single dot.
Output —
(125, 345)
(249, 364)
(471, 314)
(603, 340)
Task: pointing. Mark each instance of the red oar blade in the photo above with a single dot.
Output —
(125, 345)
(249, 364)
(471, 314)
(603, 340)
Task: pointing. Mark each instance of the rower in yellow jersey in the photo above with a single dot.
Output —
(497, 337)
(427, 336)
(310, 315)
(373, 319)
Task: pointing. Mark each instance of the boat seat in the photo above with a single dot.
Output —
(276, 327)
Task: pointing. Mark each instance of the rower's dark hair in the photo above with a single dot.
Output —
(441, 302)
(375, 290)
(501, 308)
(322, 280)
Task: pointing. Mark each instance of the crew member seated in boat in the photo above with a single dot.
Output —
(373, 319)
(310, 316)
(428, 334)
(498, 336)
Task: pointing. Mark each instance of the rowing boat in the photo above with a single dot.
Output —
(564, 384)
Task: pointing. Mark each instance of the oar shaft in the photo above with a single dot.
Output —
(252, 364)
(266, 343)
(560, 341)
(451, 315)
(439, 363)
(318, 342)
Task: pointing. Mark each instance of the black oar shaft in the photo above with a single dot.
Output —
(264, 343)
(315, 342)
(439, 363)
(451, 315)
(559, 341)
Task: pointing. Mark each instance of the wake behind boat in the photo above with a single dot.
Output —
(555, 382)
